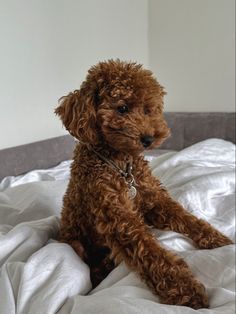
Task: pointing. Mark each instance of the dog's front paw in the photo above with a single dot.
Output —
(196, 297)
(191, 294)
(213, 240)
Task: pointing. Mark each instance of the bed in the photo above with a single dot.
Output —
(40, 275)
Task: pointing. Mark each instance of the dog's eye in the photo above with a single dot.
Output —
(146, 110)
(122, 109)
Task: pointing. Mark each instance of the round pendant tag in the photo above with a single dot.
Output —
(132, 192)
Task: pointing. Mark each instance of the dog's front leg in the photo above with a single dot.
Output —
(130, 240)
(170, 215)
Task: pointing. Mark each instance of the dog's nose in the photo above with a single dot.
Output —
(146, 140)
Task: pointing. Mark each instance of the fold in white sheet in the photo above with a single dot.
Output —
(40, 275)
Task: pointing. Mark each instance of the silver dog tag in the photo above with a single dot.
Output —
(132, 192)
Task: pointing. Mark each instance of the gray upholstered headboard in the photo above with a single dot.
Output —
(189, 128)
(186, 128)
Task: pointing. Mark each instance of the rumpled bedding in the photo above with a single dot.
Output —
(38, 275)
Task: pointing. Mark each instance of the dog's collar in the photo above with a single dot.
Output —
(126, 174)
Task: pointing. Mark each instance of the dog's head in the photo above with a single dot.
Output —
(119, 104)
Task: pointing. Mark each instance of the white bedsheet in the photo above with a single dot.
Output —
(39, 275)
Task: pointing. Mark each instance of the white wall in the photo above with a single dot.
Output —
(192, 52)
(46, 48)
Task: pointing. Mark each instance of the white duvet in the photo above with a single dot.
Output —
(38, 275)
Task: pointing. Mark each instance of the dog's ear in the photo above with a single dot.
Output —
(78, 114)
(162, 93)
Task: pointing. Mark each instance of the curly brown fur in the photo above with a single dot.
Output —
(99, 220)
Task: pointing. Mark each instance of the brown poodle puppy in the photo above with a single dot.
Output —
(112, 197)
